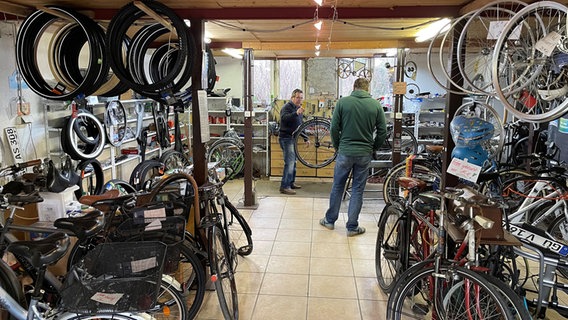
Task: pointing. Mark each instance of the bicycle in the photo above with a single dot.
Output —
(439, 283)
(352, 67)
(218, 236)
(228, 152)
(34, 256)
(319, 152)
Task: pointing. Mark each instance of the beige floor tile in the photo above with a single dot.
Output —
(263, 234)
(297, 213)
(210, 309)
(305, 224)
(253, 263)
(369, 237)
(368, 289)
(290, 265)
(327, 309)
(331, 267)
(329, 236)
(280, 308)
(248, 282)
(332, 287)
(362, 251)
(291, 248)
(285, 284)
(264, 223)
(373, 310)
(364, 268)
(262, 247)
(294, 235)
(326, 250)
(246, 305)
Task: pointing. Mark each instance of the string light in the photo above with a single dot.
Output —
(318, 2)
(317, 53)
(318, 24)
(317, 46)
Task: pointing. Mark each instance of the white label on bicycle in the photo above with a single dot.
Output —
(107, 298)
(155, 213)
(143, 264)
(547, 44)
(154, 225)
(14, 142)
(539, 240)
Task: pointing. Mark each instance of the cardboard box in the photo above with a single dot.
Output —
(54, 204)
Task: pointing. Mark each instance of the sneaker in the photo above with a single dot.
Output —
(358, 231)
(326, 224)
(296, 186)
(287, 191)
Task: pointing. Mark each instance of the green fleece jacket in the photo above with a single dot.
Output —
(358, 125)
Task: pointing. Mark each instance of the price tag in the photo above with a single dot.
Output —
(547, 44)
(463, 169)
(107, 298)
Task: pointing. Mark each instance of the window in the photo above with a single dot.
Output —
(290, 77)
(383, 78)
(262, 85)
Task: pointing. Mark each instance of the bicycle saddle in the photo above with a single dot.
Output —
(410, 183)
(41, 253)
(83, 226)
(57, 180)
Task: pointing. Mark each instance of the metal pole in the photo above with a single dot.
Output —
(248, 61)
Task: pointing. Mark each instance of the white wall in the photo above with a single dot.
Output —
(230, 73)
(31, 135)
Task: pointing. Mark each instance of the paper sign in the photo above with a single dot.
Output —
(143, 264)
(495, 29)
(203, 115)
(107, 298)
(155, 213)
(547, 44)
(463, 169)
(154, 225)
(399, 87)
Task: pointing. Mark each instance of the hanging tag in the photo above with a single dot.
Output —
(547, 44)
(463, 169)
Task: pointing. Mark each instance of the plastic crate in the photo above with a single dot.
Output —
(115, 277)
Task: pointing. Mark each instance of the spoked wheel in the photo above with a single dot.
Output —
(388, 249)
(344, 70)
(476, 52)
(228, 155)
(313, 145)
(174, 160)
(531, 83)
(408, 145)
(222, 273)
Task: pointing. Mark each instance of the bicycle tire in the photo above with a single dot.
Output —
(170, 303)
(239, 232)
(174, 160)
(427, 283)
(408, 145)
(389, 247)
(229, 155)
(320, 151)
(422, 170)
(222, 272)
(144, 172)
(10, 283)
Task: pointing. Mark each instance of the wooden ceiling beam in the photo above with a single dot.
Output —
(15, 10)
(335, 45)
(259, 13)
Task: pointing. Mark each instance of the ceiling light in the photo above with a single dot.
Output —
(235, 53)
(317, 47)
(187, 23)
(318, 24)
(206, 40)
(318, 2)
(432, 30)
(317, 53)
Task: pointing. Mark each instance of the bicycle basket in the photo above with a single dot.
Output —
(169, 230)
(115, 277)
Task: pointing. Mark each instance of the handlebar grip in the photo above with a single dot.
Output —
(30, 163)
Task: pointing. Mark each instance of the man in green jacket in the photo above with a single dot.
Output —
(358, 128)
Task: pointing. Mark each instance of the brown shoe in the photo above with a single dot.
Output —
(296, 186)
(287, 191)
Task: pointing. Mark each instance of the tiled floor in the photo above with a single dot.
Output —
(300, 270)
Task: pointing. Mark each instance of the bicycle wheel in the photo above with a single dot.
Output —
(388, 248)
(448, 293)
(145, 173)
(529, 82)
(422, 170)
(229, 155)
(222, 273)
(408, 145)
(10, 283)
(174, 160)
(319, 152)
(170, 303)
(239, 230)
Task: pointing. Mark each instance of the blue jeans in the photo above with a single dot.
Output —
(289, 174)
(343, 166)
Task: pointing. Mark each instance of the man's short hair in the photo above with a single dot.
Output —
(296, 91)
(361, 84)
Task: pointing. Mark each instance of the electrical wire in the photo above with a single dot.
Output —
(388, 28)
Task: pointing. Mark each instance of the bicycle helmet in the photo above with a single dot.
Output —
(470, 131)
(475, 155)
